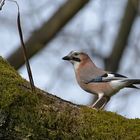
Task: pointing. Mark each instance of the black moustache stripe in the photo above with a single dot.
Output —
(76, 59)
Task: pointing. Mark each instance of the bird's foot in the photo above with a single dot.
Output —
(91, 106)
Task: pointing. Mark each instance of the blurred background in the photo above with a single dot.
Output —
(108, 30)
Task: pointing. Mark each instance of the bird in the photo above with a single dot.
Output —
(97, 81)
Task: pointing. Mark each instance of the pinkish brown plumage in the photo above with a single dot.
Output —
(97, 81)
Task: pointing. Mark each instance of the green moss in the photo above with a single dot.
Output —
(27, 115)
(107, 125)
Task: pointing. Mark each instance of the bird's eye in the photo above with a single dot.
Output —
(75, 54)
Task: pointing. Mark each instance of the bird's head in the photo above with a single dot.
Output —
(76, 58)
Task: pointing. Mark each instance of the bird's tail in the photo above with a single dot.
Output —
(131, 82)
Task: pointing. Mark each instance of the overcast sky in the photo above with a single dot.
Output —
(93, 28)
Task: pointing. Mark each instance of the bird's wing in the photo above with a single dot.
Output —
(107, 77)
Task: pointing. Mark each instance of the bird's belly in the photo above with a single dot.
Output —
(96, 88)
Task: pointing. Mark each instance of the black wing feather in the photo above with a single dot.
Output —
(117, 75)
(101, 78)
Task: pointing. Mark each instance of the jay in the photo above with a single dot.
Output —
(94, 80)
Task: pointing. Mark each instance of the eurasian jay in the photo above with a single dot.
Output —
(94, 80)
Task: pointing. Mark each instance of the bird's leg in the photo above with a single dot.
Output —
(106, 101)
(97, 102)
(102, 107)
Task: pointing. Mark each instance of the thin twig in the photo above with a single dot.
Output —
(24, 48)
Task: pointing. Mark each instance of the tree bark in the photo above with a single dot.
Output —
(112, 63)
(47, 31)
(40, 115)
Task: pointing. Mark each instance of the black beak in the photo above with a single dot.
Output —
(66, 58)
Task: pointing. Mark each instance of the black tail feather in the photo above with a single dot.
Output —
(131, 83)
(133, 86)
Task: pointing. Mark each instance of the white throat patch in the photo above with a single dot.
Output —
(76, 65)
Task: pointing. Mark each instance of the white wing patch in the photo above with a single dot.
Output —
(110, 75)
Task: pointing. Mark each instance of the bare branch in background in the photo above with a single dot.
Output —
(112, 63)
(136, 5)
(47, 31)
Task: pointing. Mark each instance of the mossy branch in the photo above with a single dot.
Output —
(41, 116)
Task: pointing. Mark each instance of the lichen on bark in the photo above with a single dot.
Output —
(42, 116)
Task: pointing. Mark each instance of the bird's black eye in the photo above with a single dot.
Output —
(75, 54)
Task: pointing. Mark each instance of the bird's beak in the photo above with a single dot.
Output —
(66, 58)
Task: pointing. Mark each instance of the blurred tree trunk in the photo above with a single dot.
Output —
(47, 31)
(41, 116)
(112, 63)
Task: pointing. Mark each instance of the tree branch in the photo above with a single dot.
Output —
(112, 63)
(27, 115)
(47, 31)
